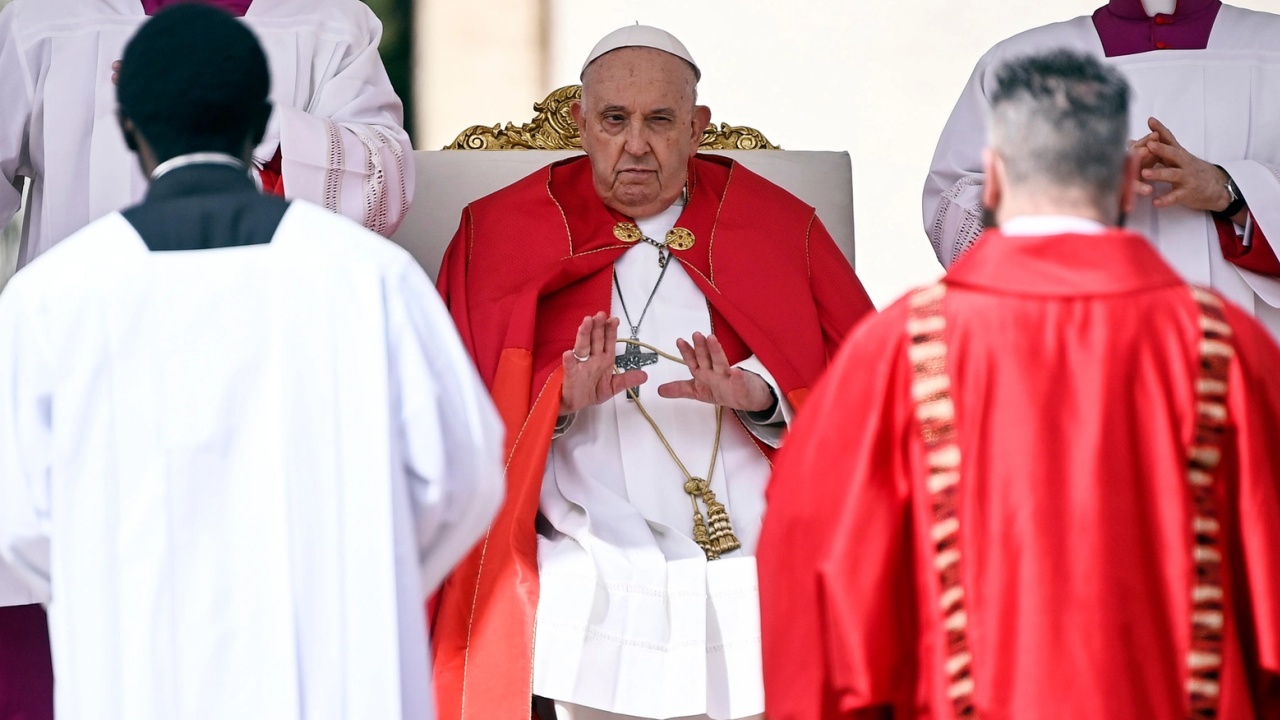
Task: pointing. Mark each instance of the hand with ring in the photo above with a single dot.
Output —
(590, 376)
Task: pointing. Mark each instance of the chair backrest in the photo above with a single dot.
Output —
(449, 179)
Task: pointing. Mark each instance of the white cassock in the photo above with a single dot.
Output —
(234, 475)
(1223, 105)
(632, 618)
(337, 122)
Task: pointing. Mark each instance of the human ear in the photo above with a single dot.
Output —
(701, 119)
(128, 129)
(993, 185)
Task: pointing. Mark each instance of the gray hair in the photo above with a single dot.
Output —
(1061, 120)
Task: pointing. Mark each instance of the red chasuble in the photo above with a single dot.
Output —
(1043, 543)
(527, 264)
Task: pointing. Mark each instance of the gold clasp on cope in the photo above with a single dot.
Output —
(627, 232)
(679, 239)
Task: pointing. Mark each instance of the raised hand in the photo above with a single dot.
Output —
(715, 381)
(115, 73)
(1197, 184)
(590, 377)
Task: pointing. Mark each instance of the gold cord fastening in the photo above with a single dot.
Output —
(714, 531)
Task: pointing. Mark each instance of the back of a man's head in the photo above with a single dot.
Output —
(195, 79)
(1059, 122)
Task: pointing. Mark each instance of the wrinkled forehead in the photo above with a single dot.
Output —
(639, 75)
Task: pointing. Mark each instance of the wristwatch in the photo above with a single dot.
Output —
(1233, 191)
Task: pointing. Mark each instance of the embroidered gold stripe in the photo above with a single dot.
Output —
(935, 412)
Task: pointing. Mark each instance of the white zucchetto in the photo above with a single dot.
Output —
(641, 36)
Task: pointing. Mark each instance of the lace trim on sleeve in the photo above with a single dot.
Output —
(398, 153)
(333, 173)
(970, 228)
(375, 186)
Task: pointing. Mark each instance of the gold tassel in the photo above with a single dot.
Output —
(722, 538)
(700, 537)
(713, 533)
(718, 538)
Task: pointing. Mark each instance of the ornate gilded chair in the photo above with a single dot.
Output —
(448, 179)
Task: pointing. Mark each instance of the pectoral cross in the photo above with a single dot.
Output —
(634, 358)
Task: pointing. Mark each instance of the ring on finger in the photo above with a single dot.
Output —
(579, 358)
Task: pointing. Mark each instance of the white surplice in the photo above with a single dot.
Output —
(337, 122)
(632, 618)
(235, 474)
(1222, 103)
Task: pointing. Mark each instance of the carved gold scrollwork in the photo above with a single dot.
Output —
(552, 128)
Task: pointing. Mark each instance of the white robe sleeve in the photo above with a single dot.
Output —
(347, 151)
(452, 435)
(25, 446)
(953, 191)
(15, 114)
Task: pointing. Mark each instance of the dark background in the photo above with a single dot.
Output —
(397, 49)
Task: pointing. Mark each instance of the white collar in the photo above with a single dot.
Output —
(1037, 225)
(198, 158)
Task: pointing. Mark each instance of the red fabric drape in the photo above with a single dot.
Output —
(1072, 364)
(272, 175)
(1258, 256)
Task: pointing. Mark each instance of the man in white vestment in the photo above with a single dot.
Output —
(240, 441)
(335, 136)
(1206, 80)
(644, 472)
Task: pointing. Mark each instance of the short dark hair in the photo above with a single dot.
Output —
(195, 79)
(1061, 119)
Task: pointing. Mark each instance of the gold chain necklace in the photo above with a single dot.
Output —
(714, 532)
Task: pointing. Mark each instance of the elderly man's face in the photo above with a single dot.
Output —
(639, 127)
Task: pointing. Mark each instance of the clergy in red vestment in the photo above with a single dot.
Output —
(1206, 78)
(647, 320)
(1047, 486)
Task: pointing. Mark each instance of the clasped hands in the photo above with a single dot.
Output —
(1196, 184)
(713, 380)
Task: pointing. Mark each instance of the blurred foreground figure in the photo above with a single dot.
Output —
(646, 317)
(1206, 83)
(335, 137)
(240, 441)
(1046, 487)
